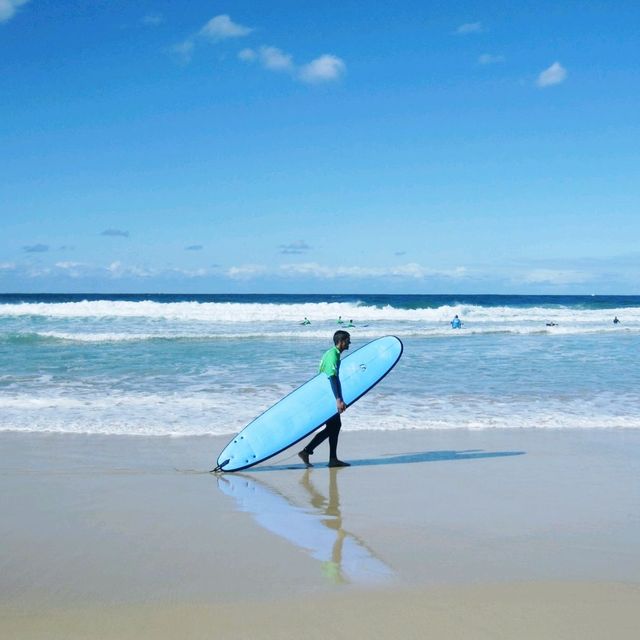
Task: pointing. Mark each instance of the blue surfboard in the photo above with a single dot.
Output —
(309, 406)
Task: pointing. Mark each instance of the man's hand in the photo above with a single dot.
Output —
(341, 406)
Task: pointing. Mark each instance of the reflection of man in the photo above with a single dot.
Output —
(330, 366)
(319, 502)
(313, 523)
(332, 569)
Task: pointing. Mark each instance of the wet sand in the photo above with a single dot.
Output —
(445, 534)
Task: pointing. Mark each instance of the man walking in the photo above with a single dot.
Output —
(330, 366)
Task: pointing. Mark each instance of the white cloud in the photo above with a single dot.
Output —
(99, 273)
(119, 270)
(555, 74)
(152, 19)
(555, 276)
(192, 273)
(247, 55)
(8, 8)
(275, 59)
(37, 272)
(308, 269)
(222, 27)
(325, 68)
(488, 58)
(218, 28)
(72, 269)
(410, 271)
(246, 272)
(469, 27)
(184, 50)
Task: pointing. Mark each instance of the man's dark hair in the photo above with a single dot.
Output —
(340, 335)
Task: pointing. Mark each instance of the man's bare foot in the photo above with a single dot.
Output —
(334, 462)
(304, 456)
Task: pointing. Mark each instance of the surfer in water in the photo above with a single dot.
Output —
(456, 323)
(330, 366)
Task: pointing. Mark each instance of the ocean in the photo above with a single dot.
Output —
(182, 365)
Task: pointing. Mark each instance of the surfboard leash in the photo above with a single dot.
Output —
(219, 468)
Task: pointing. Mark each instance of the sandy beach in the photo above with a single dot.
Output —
(475, 534)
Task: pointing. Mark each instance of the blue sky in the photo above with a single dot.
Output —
(284, 146)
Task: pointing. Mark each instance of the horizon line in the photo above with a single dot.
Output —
(273, 293)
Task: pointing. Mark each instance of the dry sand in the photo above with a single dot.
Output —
(525, 611)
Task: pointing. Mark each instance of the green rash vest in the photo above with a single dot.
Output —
(330, 366)
(330, 363)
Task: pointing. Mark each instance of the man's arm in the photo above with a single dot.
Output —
(334, 381)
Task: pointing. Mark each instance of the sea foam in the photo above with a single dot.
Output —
(230, 313)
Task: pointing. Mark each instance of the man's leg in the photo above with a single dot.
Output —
(331, 431)
(333, 426)
(321, 436)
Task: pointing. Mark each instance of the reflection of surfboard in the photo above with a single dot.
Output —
(309, 406)
(318, 531)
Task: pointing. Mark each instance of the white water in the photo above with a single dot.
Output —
(185, 368)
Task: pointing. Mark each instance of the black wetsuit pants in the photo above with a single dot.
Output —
(331, 430)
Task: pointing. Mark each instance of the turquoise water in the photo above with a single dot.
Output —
(183, 365)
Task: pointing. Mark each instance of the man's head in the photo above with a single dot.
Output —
(341, 339)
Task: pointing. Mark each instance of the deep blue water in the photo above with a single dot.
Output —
(403, 301)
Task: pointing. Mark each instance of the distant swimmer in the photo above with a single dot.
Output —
(306, 321)
(552, 324)
(339, 320)
(350, 324)
(456, 323)
(616, 321)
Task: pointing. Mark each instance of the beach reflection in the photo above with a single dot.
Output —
(316, 527)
